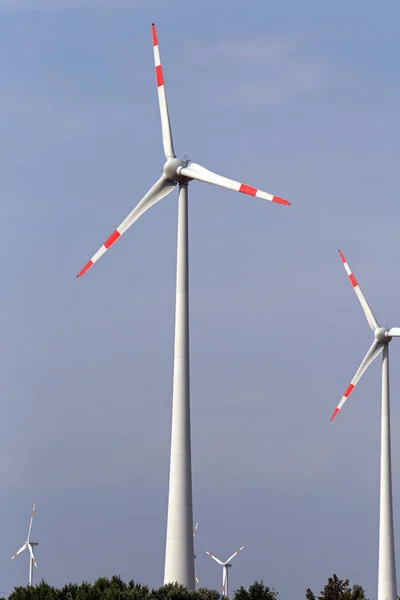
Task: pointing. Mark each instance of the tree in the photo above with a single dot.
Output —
(171, 591)
(257, 591)
(204, 594)
(338, 589)
(358, 593)
(21, 593)
(42, 591)
(137, 591)
(116, 589)
(335, 589)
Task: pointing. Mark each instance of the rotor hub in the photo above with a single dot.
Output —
(172, 166)
(380, 335)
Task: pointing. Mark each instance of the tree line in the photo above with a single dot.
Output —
(116, 589)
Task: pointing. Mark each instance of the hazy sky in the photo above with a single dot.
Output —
(299, 99)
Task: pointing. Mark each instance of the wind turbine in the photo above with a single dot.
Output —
(179, 553)
(30, 545)
(225, 566)
(194, 535)
(387, 586)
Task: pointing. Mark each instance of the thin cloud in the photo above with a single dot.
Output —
(56, 5)
(257, 50)
(260, 71)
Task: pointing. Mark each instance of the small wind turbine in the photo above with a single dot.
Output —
(225, 566)
(30, 545)
(387, 586)
(194, 535)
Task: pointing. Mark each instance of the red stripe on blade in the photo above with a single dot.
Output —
(353, 280)
(85, 268)
(113, 238)
(246, 189)
(280, 201)
(159, 76)
(154, 34)
(335, 412)
(342, 257)
(349, 390)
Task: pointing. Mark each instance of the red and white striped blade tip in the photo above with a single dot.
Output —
(350, 275)
(107, 244)
(280, 201)
(251, 191)
(335, 412)
(85, 268)
(343, 400)
(154, 34)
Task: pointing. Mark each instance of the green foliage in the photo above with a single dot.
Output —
(102, 589)
(171, 591)
(116, 589)
(257, 591)
(358, 593)
(42, 591)
(110, 589)
(335, 589)
(205, 594)
(338, 589)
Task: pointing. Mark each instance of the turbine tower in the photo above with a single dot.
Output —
(225, 566)
(387, 586)
(30, 545)
(179, 553)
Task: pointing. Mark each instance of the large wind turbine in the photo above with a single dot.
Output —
(179, 554)
(225, 566)
(30, 545)
(387, 586)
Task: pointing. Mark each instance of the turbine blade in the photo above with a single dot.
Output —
(32, 555)
(372, 322)
(19, 551)
(237, 552)
(394, 332)
(197, 579)
(162, 99)
(372, 353)
(214, 557)
(30, 523)
(195, 171)
(160, 189)
(195, 529)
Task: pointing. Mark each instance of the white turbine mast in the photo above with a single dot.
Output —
(225, 566)
(387, 585)
(29, 545)
(179, 553)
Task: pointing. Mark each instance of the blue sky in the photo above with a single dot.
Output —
(299, 99)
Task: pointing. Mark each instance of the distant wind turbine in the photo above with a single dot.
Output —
(194, 535)
(225, 566)
(30, 545)
(387, 585)
(179, 552)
